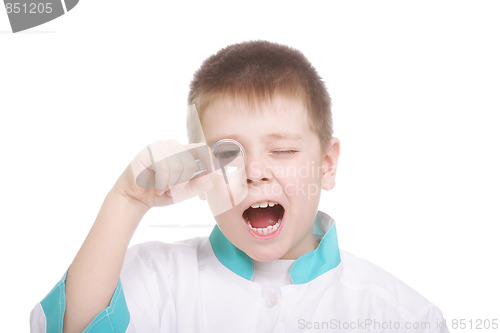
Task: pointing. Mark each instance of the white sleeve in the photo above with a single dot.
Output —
(48, 315)
(37, 320)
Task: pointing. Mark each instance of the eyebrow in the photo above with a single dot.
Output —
(271, 136)
(284, 136)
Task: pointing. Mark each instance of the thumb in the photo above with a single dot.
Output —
(194, 187)
(202, 183)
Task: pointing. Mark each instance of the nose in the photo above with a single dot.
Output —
(257, 170)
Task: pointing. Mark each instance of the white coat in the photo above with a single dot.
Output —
(208, 285)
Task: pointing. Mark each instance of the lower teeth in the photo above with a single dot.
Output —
(265, 231)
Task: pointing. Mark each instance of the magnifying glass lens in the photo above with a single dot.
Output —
(229, 155)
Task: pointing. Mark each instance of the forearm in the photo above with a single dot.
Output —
(95, 271)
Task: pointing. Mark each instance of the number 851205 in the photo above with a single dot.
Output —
(28, 8)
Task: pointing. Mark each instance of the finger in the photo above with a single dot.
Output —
(184, 167)
(161, 174)
(192, 188)
(175, 169)
(202, 183)
(191, 166)
(142, 170)
(202, 153)
(160, 154)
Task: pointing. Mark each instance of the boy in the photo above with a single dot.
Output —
(272, 263)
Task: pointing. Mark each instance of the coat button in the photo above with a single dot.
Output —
(272, 300)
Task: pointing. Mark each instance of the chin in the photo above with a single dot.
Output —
(265, 253)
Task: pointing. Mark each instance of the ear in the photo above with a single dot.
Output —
(329, 166)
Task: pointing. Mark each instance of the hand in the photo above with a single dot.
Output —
(161, 174)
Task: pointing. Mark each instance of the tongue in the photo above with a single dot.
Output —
(263, 217)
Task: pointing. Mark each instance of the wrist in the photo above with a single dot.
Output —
(126, 201)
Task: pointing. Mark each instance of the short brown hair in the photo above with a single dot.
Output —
(257, 71)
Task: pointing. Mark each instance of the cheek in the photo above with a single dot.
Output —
(302, 180)
(303, 188)
(223, 197)
(226, 222)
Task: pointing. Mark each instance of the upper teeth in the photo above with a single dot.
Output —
(264, 204)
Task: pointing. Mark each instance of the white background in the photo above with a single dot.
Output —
(415, 88)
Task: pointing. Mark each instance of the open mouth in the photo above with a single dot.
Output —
(264, 217)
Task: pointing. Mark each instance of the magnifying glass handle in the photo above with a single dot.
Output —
(201, 169)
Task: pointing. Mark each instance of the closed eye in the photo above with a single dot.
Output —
(285, 152)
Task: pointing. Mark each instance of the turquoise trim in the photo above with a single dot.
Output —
(325, 257)
(54, 305)
(115, 318)
(230, 256)
(306, 268)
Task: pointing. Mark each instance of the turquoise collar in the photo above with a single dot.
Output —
(306, 268)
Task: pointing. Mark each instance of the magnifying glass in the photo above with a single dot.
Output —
(227, 159)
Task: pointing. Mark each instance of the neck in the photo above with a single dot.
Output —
(305, 245)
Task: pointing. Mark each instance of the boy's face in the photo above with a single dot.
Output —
(285, 165)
